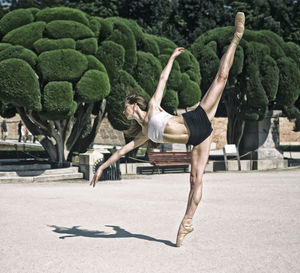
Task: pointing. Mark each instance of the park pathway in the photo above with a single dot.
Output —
(246, 222)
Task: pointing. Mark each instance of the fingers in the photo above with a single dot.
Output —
(93, 181)
(178, 51)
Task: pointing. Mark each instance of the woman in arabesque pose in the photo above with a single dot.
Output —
(193, 128)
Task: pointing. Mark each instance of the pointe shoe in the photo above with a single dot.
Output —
(239, 26)
(185, 228)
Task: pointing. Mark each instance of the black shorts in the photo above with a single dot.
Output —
(198, 125)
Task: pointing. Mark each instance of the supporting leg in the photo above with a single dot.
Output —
(211, 99)
(200, 155)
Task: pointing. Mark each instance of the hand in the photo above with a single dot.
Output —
(96, 177)
(177, 51)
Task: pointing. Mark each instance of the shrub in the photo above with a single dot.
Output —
(25, 90)
(15, 19)
(62, 65)
(93, 86)
(25, 35)
(19, 52)
(68, 29)
(45, 44)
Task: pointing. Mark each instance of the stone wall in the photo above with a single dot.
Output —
(286, 131)
(219, 133)
(108, 136)
(12, 127)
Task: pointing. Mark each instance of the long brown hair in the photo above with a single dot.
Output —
(135, 128)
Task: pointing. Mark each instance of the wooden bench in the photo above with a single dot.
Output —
(162, 159)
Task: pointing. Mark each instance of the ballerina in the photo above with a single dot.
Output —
(193, 128)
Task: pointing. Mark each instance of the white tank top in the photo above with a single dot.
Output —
(157, 126)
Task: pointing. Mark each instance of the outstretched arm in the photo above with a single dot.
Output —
(157, 97)
(139, 140)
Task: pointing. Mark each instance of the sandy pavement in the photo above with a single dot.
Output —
(246, 222)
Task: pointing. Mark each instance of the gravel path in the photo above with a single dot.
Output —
(246, 222)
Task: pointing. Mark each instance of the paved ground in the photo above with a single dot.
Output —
(247, 222)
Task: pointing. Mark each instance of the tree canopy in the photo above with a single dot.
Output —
(60, 66)
(265, 75)
(281, 17)
(183, 21)
(94, 62)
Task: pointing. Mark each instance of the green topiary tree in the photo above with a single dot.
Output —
(51, 77)
(265, 76)
(59, 66)
(134, 61)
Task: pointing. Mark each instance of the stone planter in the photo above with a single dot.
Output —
(260, 143)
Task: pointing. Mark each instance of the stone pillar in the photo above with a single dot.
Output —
(87, 162)
(262, 137)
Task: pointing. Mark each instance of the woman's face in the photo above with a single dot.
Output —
(128, 110)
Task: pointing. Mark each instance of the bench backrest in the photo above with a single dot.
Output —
(170, 157)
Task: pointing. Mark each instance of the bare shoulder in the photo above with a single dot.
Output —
(152, 103)
(154, 107)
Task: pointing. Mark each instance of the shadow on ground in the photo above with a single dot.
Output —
(76, 231)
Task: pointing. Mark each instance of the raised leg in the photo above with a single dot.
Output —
(200, 155)
(211, 99)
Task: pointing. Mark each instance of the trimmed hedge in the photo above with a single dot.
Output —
(25, 91)
(93, 86)
(190, 93)
(273, 41)
(209, 66)
(165, 45)
(256, 98)
(170, 101)
(25, 35)
(292, 50)
(62, 13)
(58, 98)
(19, 52)
(289, 81)
(59, 116)
(4, 46)
(95, 25)
(62, 65)
(45, 44)
(87, 46)
(68, 29)
(150, 45)
(147, 71)
(123, 35)
(112, 56)
(15, 19)
(94, 63)
(106, 29)
(34, 11)
(270, 76)
(132, 25)
(129, 85)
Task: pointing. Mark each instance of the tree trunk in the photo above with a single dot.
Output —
(82, 144)
(61, 138)
(235, 125)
